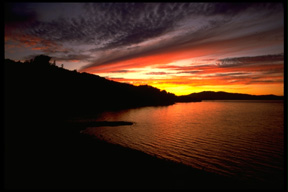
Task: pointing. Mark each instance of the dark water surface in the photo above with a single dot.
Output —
(241, 139)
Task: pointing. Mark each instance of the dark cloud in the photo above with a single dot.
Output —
(108, 26)
(229, 74)
(120, 24)
(232, 9)
(132, 23)
(121, 71)
(69, 57)
(239, 61)
(274, 71)
(115, 78)
(267, 81)
(188, 69)
(157, 73)
(191, 72)
(18, 13)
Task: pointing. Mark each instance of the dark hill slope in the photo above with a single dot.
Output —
(39, 85)
(210, 95)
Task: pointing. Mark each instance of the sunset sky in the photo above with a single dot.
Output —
(180, 47)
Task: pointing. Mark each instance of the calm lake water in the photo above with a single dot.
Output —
(233, 138)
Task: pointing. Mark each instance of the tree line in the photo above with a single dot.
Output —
(42, 86)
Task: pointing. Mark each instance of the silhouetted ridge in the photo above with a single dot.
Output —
(45, 88)
(210, 95)
(40, 85)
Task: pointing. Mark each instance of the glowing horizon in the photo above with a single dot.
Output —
(250, 75)
(178, 47)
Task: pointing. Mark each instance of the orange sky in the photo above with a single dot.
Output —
(239, 65)
(180, 47)
(187, 70)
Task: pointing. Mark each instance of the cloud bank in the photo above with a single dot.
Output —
(124, 38)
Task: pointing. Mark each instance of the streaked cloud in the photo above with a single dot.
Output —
(268, 59)
(181, 43)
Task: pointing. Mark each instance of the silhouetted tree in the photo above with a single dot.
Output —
(42, 60)
(88, 93)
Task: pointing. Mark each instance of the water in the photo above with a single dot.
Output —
(243, 139)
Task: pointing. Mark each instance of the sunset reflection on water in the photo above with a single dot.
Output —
(234, 138)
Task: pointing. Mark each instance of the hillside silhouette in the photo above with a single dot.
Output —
(40, 85)
(211, 95)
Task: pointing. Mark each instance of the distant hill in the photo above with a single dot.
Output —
(38, 85)
(43, 88)
(210, 95)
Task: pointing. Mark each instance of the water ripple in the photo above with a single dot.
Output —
(242, 140)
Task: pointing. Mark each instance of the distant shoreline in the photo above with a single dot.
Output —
(84, 124)
(221, 95)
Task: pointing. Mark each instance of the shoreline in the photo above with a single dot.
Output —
(62, 158)
(149, 172)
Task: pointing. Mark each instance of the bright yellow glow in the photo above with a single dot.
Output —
(184, 72)
(246, 89)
